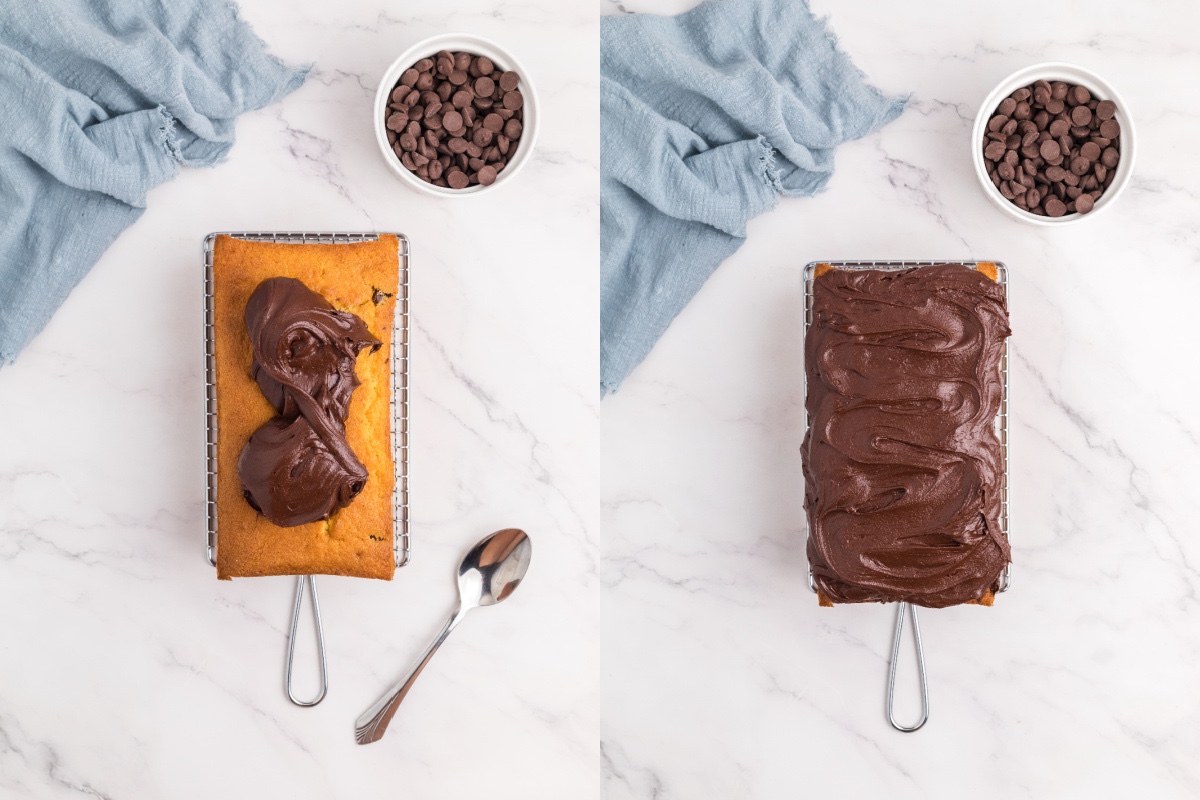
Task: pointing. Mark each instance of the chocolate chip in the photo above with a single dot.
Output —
(1081, 115)
(1105, 109)
(1090, 151)
(1109, 129)
(482, 137)
(1050, 150)
(1084, 203)
(1110, 157)
(453, 117)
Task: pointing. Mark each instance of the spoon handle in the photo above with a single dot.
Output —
(374, 721)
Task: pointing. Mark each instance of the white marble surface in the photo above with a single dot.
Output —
(722, 677)
(126, 669)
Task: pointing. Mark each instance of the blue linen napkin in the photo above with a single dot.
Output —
(706, 118)
(104, 100)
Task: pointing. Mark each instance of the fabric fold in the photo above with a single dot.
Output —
(707, 118)
(105, 101)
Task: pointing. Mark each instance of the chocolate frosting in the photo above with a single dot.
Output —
(902, 464)
(298, 467)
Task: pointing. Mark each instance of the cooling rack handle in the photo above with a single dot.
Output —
(891, 684)
(311, 580)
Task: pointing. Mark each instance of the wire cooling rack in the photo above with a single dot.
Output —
(1001, 423)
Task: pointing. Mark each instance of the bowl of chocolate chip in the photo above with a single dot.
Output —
(1053, 144)
(455, 115)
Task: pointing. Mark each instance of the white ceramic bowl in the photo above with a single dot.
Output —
(472, 44)
(1054, 71)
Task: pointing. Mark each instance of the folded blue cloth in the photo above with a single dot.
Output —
(103, 100)
(705, 119)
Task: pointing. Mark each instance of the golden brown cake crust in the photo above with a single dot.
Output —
(356, 541)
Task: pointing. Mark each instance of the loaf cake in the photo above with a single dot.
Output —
(302, 345)
(903, 468)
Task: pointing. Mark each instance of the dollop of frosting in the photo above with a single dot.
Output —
(298, 467)
(902, 463)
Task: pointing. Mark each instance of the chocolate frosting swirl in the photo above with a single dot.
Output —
(902, 464)
(298, 467)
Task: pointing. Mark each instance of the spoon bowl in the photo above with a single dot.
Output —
(490, 572)
(494, 568)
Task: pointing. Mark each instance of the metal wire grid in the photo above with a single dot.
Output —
(1001, 416)
(399, 378)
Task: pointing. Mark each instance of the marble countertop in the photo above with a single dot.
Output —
(722, 676)
(126, 669)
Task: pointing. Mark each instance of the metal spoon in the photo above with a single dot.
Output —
(488, 574)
